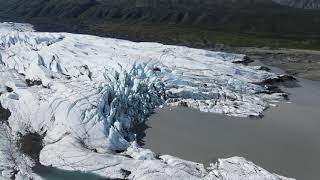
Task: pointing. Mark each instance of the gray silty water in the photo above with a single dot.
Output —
(286, 141)
(51, 173)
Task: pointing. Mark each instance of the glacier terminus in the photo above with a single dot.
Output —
(83, 94)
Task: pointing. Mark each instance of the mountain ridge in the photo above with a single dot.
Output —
(305, 4)
(200, 23)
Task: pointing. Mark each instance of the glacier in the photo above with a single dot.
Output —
(84, 94)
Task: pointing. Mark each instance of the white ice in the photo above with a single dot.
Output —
(84, 94)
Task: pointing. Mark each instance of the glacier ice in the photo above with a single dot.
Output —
(84, 94)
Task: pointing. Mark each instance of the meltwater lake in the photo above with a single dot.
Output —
(285, 141)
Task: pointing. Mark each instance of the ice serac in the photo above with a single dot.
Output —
(84, 94)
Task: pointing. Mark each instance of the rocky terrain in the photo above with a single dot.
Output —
(296, 62)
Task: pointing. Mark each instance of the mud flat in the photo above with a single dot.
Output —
(297, 62)
(284, 141)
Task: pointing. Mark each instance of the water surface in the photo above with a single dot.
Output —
(286, 141)
(51, 173)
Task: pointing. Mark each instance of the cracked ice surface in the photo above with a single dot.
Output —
(84, 94)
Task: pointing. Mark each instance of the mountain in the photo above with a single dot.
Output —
(306, 4)
(197, 23)
(123, 8)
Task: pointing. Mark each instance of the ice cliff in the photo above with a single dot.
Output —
(84, 94)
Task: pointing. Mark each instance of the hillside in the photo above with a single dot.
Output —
(200, 23)
(306, 4)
